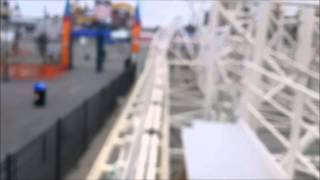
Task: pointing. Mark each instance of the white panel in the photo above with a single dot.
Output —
(225, 150)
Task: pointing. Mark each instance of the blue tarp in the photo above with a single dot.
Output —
(89, 33)
(92, 33)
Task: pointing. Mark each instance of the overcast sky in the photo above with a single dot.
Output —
(153, 12)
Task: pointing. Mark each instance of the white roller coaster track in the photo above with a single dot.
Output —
(256, 69)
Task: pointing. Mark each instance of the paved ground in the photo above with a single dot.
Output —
(21, 122)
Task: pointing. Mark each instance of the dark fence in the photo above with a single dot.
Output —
(55, 152)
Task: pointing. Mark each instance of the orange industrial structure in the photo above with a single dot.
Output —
(136, 31)
(66, 37)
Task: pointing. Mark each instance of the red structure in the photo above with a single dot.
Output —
(66, 37)
(136, 31)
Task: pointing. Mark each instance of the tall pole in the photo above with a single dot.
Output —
(136, 32)
(135, 38)
(66, 37)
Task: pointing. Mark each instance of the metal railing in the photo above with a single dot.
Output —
(141, 131)
(56, 151)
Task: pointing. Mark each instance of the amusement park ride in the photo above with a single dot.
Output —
(238, 99)
(75, 24)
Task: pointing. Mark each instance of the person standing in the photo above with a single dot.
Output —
(42, 41)
(100, 48)
(5, 18)
(16, 42)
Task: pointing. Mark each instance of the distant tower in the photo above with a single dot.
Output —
(45, 13)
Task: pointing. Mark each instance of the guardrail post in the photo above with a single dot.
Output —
(11, 168)
(58, 150)
(84, 128)
(101, 108)
(8, 167)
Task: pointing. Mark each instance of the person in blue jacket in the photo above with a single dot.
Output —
(101, 54)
